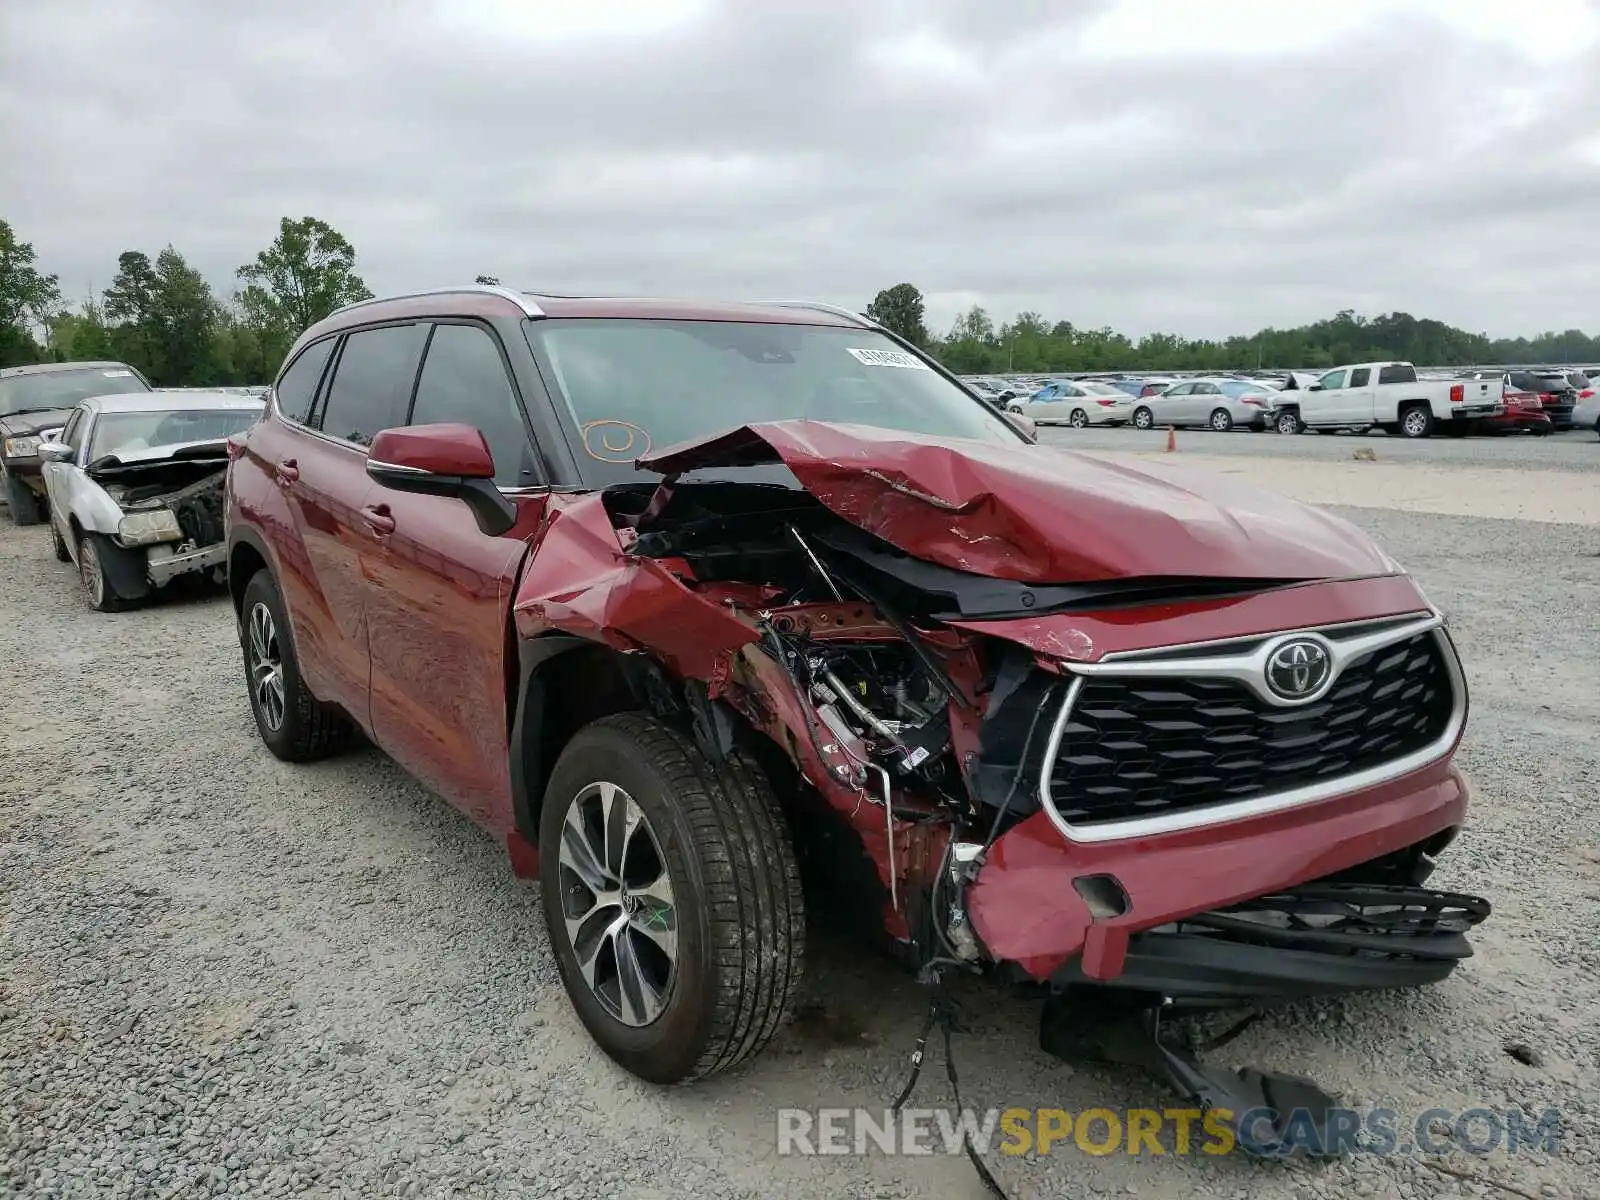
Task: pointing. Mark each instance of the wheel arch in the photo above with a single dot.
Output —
(565, 682)
(246, 555)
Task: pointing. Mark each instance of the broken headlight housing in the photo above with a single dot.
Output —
(144, 528)
(22, 447)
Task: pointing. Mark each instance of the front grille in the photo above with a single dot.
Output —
(1137, 747)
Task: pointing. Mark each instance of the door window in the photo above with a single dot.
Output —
(72, 435)
(1182, 389)
(1332, 381)
(372, 381)
(464, 380)
(298, 387)
(1359, 377)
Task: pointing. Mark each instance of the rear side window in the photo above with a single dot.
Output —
(298, 387)
(1399, 373)
(1359, 377)
(372, 380)
(464, 380)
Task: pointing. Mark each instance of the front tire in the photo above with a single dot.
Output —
(24, 505)
(1221, 420)
(98, 587)
(672, 898)
(1289, 422)
(1079, 419)
(1143, 418)
(294, 724)
(59, 544)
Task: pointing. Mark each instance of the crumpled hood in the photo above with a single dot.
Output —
(1035, 514)
(185, 452)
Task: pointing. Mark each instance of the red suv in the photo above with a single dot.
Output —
(689, 603)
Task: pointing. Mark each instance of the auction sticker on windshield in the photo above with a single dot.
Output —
(116, 374)
(888, 358)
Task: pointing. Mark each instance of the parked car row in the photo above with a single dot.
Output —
(1392, 396)
(701, 672)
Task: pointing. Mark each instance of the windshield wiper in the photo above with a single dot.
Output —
(21, 412)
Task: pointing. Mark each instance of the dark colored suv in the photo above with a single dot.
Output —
(694, 603)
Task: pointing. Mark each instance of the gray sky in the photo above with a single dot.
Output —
(1201, 166)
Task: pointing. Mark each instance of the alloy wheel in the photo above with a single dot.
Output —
(1221, 421)
(1142, 419)
(1079, 418)
(94, 580)
(1416, 422)
(617, 904)
(266, 667)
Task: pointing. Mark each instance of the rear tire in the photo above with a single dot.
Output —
(1143, 418)
(1416, 422)
(1079, 419)
(1221, 420)
(731, 908)
(294, 724)
(24, 505)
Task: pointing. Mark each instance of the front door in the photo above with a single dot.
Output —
(439, 589)
(1324, 406)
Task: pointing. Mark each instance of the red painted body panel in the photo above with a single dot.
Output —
(1039, 515)
(312, 522)
(581, 582)
(438, 597)
(1025, 909)
(442, 449)
(1090, 636)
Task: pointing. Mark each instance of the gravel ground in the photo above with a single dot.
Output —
(223, 975)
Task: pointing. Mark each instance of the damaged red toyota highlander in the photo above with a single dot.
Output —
(693, 603)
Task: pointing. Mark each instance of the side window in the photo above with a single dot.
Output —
(298, 387)
(1205, 389)
(464, 380)
(1397, 375)
(72, 434)
(1359, 377)
(372, 382)
(1332, 381)
(1182, 389)
(1070, 390)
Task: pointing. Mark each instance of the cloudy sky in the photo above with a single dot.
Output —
(1203, 166)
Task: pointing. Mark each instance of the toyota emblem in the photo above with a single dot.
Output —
(1298, 669)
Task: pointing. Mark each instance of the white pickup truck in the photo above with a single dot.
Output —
(1388, 396)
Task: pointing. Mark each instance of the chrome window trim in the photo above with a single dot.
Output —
(1270, 802)
(1158, 652)
(523, 302)
(375, 464)
(817, 306)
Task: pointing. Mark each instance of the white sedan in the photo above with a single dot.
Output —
(1076, 402)
(135, 488)
(1220, 403)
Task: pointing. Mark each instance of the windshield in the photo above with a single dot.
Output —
(135, 433)
(632, 386)
(63, 389)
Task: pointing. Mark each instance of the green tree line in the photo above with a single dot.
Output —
(1031, 344)
(160, 315)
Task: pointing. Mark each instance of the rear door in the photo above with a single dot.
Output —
(1356, 400)
(323, 471)
(439, 590)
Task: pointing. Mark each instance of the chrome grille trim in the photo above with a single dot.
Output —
(1235, 668)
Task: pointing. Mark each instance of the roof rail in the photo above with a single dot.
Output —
(818, 306)
(528, 307)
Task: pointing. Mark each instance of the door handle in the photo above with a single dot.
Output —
(379, 518)
(288, 470)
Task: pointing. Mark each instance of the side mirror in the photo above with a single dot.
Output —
(1315, 387)
(54, 452)
(443, 460)
(1024, 425)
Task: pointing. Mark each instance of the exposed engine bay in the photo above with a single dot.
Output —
(191, 490)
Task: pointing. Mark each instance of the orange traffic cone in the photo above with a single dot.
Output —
(1172, 439)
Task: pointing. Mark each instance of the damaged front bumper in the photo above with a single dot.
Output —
(1165, 914)
(164, 563)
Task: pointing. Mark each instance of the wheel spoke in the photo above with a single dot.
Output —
(621, 818)
(579, 854)
(591, 934)
(639, 998)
